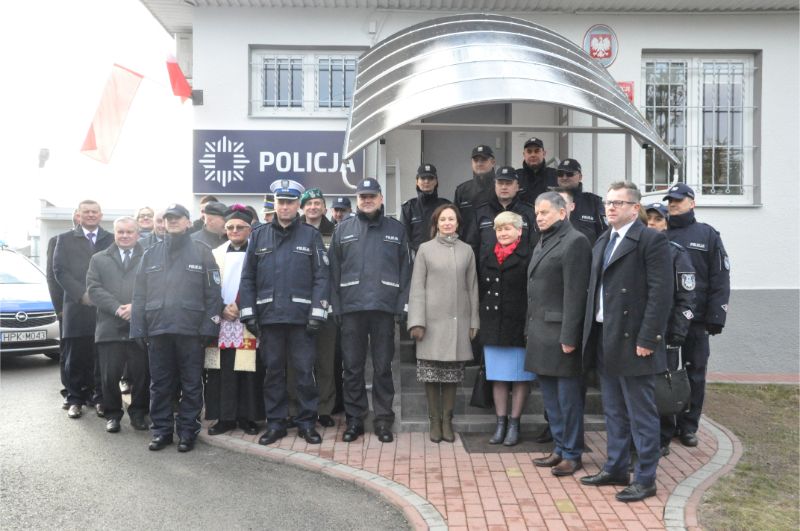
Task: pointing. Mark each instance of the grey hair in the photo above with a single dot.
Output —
(633, 191)
(554, 198)
(126, 219)
(508, 218)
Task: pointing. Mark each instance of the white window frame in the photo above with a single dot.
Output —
(692, 172)
(310, 107)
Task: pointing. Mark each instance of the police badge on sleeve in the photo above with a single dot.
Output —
(687, 281)
(215, 277)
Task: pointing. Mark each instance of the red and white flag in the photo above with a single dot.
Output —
(111, 113)
(180, 87)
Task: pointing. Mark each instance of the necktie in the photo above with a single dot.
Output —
(90, 237)
(610, 249)
(126, 262)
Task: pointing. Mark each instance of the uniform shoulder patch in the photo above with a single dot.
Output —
(688, 281)
(726, 263)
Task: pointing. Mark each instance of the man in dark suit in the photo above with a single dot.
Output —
(110, 281)
(628, 304)
(558, 275)
(70, 263)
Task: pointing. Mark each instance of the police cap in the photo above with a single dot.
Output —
(679, 191)
(176, 210)
(482, 151)
(368, 186)
(342, 203)
(506, 173)
(427, 170)
(658, 207)
(286, 189)
(533, 141)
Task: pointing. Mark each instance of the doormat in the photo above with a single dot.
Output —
(478, 443)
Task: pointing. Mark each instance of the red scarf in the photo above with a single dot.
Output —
(504, 252)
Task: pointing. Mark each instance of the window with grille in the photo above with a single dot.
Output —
(702, 106)
(336, 77)
(283, 82)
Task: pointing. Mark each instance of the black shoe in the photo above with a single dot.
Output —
(159, 442)
(248, 426)
(326, 421)
(138, 423)
(100, 410)
(290, 423)
(545, 436)
(112, 425)
(689, 439)
(310, 435)
(384, 433)
(352, 432)
(636, 492)
(604, 478)
(665, 451)
(222, 426)
(186, 445)
(272, 435)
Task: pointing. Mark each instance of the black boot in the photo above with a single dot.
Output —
(512, 435)
(499, 431)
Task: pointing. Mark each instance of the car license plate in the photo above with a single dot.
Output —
(28, 335)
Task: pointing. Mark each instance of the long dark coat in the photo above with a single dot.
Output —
(557, 279)
(110, 285)
(70, 264)
(503, 303)
(637, 299)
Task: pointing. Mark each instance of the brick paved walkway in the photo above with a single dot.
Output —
(481, 491)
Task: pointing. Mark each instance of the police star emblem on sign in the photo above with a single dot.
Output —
(224, 161)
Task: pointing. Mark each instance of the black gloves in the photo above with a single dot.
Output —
(313, 326)
(713, 329)
(141, 343)
(675, 340)
(252, 325)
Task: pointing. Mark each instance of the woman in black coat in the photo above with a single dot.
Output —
(503, 309)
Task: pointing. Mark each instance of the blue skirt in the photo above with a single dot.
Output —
(506, 364)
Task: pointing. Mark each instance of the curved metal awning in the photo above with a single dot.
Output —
(465, 60)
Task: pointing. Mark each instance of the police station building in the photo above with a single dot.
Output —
(717, 80)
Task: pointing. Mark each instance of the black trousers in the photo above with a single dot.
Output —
(176, 362)
(81, 370)
(234, 395)
(695, 357)
(113, 357)
(279, 344)
(373, 330)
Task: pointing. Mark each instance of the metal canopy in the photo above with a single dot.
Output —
(466, 60)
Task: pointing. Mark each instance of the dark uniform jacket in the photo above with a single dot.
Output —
(370, 265)
(326, 228)
(110, 286)
(711, 266)
(177, 290)
(415, 215)
(589, 216)
(683, 302)
(503, 300)
(637, 300)
(485, 237)
(285, 278)
(469, 195)
(557, 279)
(70, 263)
(209, 238)
(534, 180)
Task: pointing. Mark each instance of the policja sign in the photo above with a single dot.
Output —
(245, 162)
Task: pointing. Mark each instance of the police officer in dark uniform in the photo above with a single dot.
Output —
(342, 209)
(712, 292)
(505, 198)
(370, 277)
(535, 176)
(176, 311)
(682, 307)
(471, 194)
(283, 297)
(589, 215)
(416, 213)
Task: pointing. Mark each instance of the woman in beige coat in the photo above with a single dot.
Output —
(443, 316)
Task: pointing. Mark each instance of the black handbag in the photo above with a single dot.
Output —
(673, 391)
(482, 395)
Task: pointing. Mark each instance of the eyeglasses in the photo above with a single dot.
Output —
(618, 203)
(566, 173)
(236, 228)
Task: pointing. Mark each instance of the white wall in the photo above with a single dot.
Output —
(763, 241)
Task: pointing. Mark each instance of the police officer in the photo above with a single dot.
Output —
(682, 307)
(535, 176)
(176, 308)
(588, 216)
(370, 275)
(342, 209)
(416, 212)
(283, 297)
(505, 198)
(268, 211)
(471, 194)
(712, 291)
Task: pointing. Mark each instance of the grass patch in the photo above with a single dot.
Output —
(763, 492)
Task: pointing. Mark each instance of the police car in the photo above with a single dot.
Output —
(28, 323)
